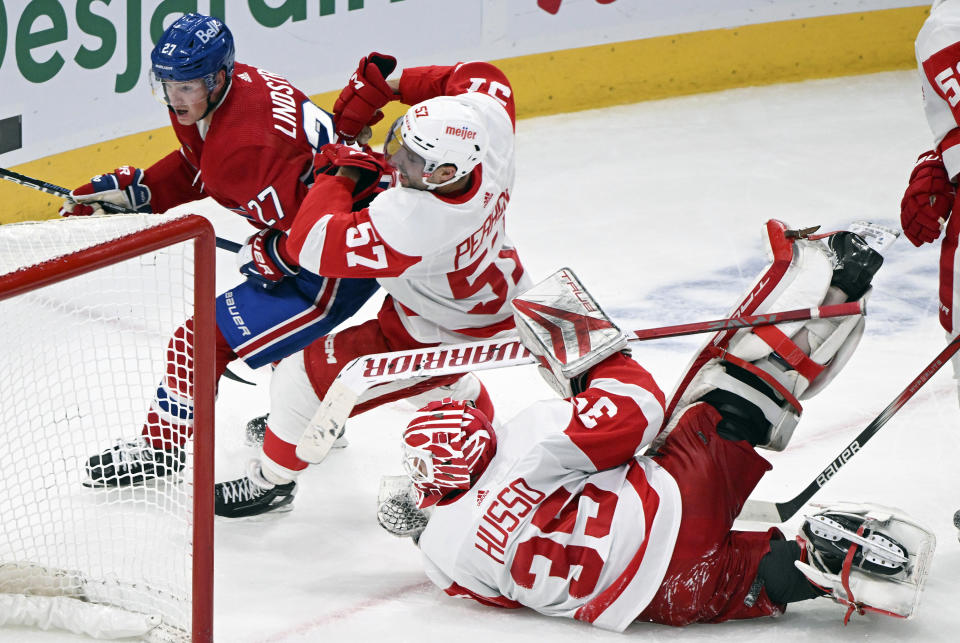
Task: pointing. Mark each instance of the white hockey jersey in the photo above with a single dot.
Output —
(445, 260)
(566, 519)
(938, 58)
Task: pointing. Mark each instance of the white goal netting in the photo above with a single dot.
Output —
(80, 361)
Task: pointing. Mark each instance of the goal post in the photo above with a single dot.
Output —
(89, 305)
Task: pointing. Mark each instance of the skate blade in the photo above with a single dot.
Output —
(266, 516)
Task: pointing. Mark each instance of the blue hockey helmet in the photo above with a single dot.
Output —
(194, 46)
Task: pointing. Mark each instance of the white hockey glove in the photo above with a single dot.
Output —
(397, 510)
(561, 324)
(867, 557)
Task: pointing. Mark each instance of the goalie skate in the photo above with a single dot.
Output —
(867, 557)
(833, 535)
(764, 372)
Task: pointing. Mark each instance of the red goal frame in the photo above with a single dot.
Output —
(199, 230)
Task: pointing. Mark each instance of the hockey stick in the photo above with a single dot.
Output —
(56, 190)
(774, 512)
(364, 373)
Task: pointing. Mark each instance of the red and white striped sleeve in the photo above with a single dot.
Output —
(619, 413)
(421, 83)
(328, 239)
(938, 58)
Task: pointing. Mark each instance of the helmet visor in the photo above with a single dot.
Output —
(394, 139)
(410, 169)
(180, 93)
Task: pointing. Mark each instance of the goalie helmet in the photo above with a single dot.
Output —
(194, 46)
(445, 448)
(445, 130)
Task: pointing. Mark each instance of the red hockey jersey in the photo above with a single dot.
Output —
(255, 157)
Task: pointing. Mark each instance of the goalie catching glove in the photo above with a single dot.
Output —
(567, 332)
(124, 188)
(263, 260)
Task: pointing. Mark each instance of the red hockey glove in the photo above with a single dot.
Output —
(263, 260)
(927, 201)
(366, 92)
(123, 187)
(372, 166)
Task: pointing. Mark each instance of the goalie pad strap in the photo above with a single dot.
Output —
(845, 578)
(789, 351)
(851, 601)
(762, 374)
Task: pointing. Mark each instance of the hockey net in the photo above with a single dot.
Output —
(89, 305)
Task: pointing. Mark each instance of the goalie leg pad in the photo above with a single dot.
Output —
(719, 382)
(793, 361)
(867, 557)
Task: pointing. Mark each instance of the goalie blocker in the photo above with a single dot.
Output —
(565, 329)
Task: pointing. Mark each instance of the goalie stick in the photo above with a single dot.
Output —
(774, 512)
(56, 190)
(364, 373)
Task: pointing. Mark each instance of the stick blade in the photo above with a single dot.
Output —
(327, 423)
(761, 511)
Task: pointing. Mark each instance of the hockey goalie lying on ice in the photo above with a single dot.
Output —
(555, 511)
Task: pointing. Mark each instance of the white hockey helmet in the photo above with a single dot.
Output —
(442, 130)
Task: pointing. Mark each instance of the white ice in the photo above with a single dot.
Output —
(658, 207)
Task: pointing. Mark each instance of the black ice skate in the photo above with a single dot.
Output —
(831, 536)
(252, 495)
(132, 462)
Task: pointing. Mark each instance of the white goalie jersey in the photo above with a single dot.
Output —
(566, 519)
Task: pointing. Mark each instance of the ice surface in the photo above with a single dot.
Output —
(658, 207)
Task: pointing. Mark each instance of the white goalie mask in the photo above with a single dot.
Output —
(445, 130)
